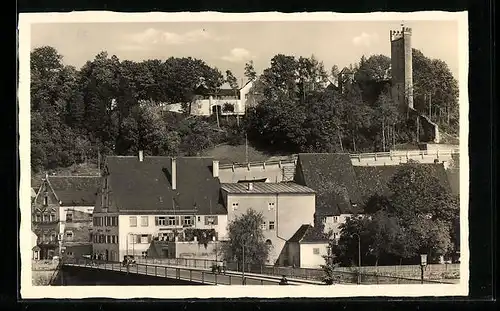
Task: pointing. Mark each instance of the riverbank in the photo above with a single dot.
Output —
(42, 271)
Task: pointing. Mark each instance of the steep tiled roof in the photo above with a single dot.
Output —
(308, 234)
(315, 235)
(75, 190)
(333, 178)
(375, 179)
(264, 187)
(146, 186)
(299, 234)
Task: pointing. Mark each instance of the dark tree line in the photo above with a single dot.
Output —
(420, 216)
(111, 106)
(300, 111)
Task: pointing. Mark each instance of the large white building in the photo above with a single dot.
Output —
(155, 198)
(284, 207)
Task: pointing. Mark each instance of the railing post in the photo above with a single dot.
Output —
(166, 275)
(137, 269)
(146, 269)
(229, 279)
(156, 271)
(202, 277)
(190, 275)
(215, 274)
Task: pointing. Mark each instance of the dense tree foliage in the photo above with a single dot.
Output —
(111, 107)
(245, 232)
(420, 216)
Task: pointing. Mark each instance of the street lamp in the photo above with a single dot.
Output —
(243, 270)
(423, 263)
(359, 257)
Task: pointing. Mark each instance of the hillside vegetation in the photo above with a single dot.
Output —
(115, 107)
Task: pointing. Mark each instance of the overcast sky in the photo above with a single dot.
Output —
(229, 45)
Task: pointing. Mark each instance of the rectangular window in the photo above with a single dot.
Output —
(211, 220)
(271, 225)
(116, 220)
(45, 217)
(69, 217)
(133, 221)
(335, 219)
(144, 238)
(263, 226)
(53, 237)
(52, 217)
(199, 218)
(45, 200)
(270, 206)
(38, 217)
(160, 221)
(172, 221)
(335, 235)
(69, 234)
(235, 207)
(316, 251)
(188, 221)
(144, 221)
(107, 221)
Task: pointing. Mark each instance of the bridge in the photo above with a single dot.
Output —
(173, 275)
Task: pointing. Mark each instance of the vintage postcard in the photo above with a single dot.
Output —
(243, 153)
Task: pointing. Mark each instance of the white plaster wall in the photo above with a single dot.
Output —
(290, 212)
(310, 260)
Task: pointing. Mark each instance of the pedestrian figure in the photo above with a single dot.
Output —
(284, 281)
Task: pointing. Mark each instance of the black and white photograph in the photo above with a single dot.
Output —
(318, 151)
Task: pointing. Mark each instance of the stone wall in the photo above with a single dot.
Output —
(42, 271)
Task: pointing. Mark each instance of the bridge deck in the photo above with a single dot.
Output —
(195, 275)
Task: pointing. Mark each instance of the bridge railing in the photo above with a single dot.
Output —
(198, 275)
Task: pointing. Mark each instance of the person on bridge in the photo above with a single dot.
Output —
(284, 281)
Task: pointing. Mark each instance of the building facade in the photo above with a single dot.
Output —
(147, 199)
(284, 207)
(225, 101)
(62, 215)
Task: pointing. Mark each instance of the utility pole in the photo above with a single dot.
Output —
(246, 148)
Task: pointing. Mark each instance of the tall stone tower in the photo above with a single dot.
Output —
(401, 66)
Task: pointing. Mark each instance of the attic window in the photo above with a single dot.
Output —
(45, 200)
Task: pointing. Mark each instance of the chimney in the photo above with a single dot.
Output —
(174, 174)
(141, 155)
(215, 168)
(250, 186)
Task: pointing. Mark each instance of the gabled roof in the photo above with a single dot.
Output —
(264, 187)
(138, 187)
(73, 190)
(299, 234)
(333, 178)
(309, 234)
(76, 190)
(375, 179)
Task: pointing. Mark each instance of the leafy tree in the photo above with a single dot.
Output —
(233, 82)
(250, 71)
(375, 68)
(435, 91)
(245, 232)
(335, 74)
(280, 80)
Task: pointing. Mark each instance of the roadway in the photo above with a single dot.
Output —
(197, 275)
